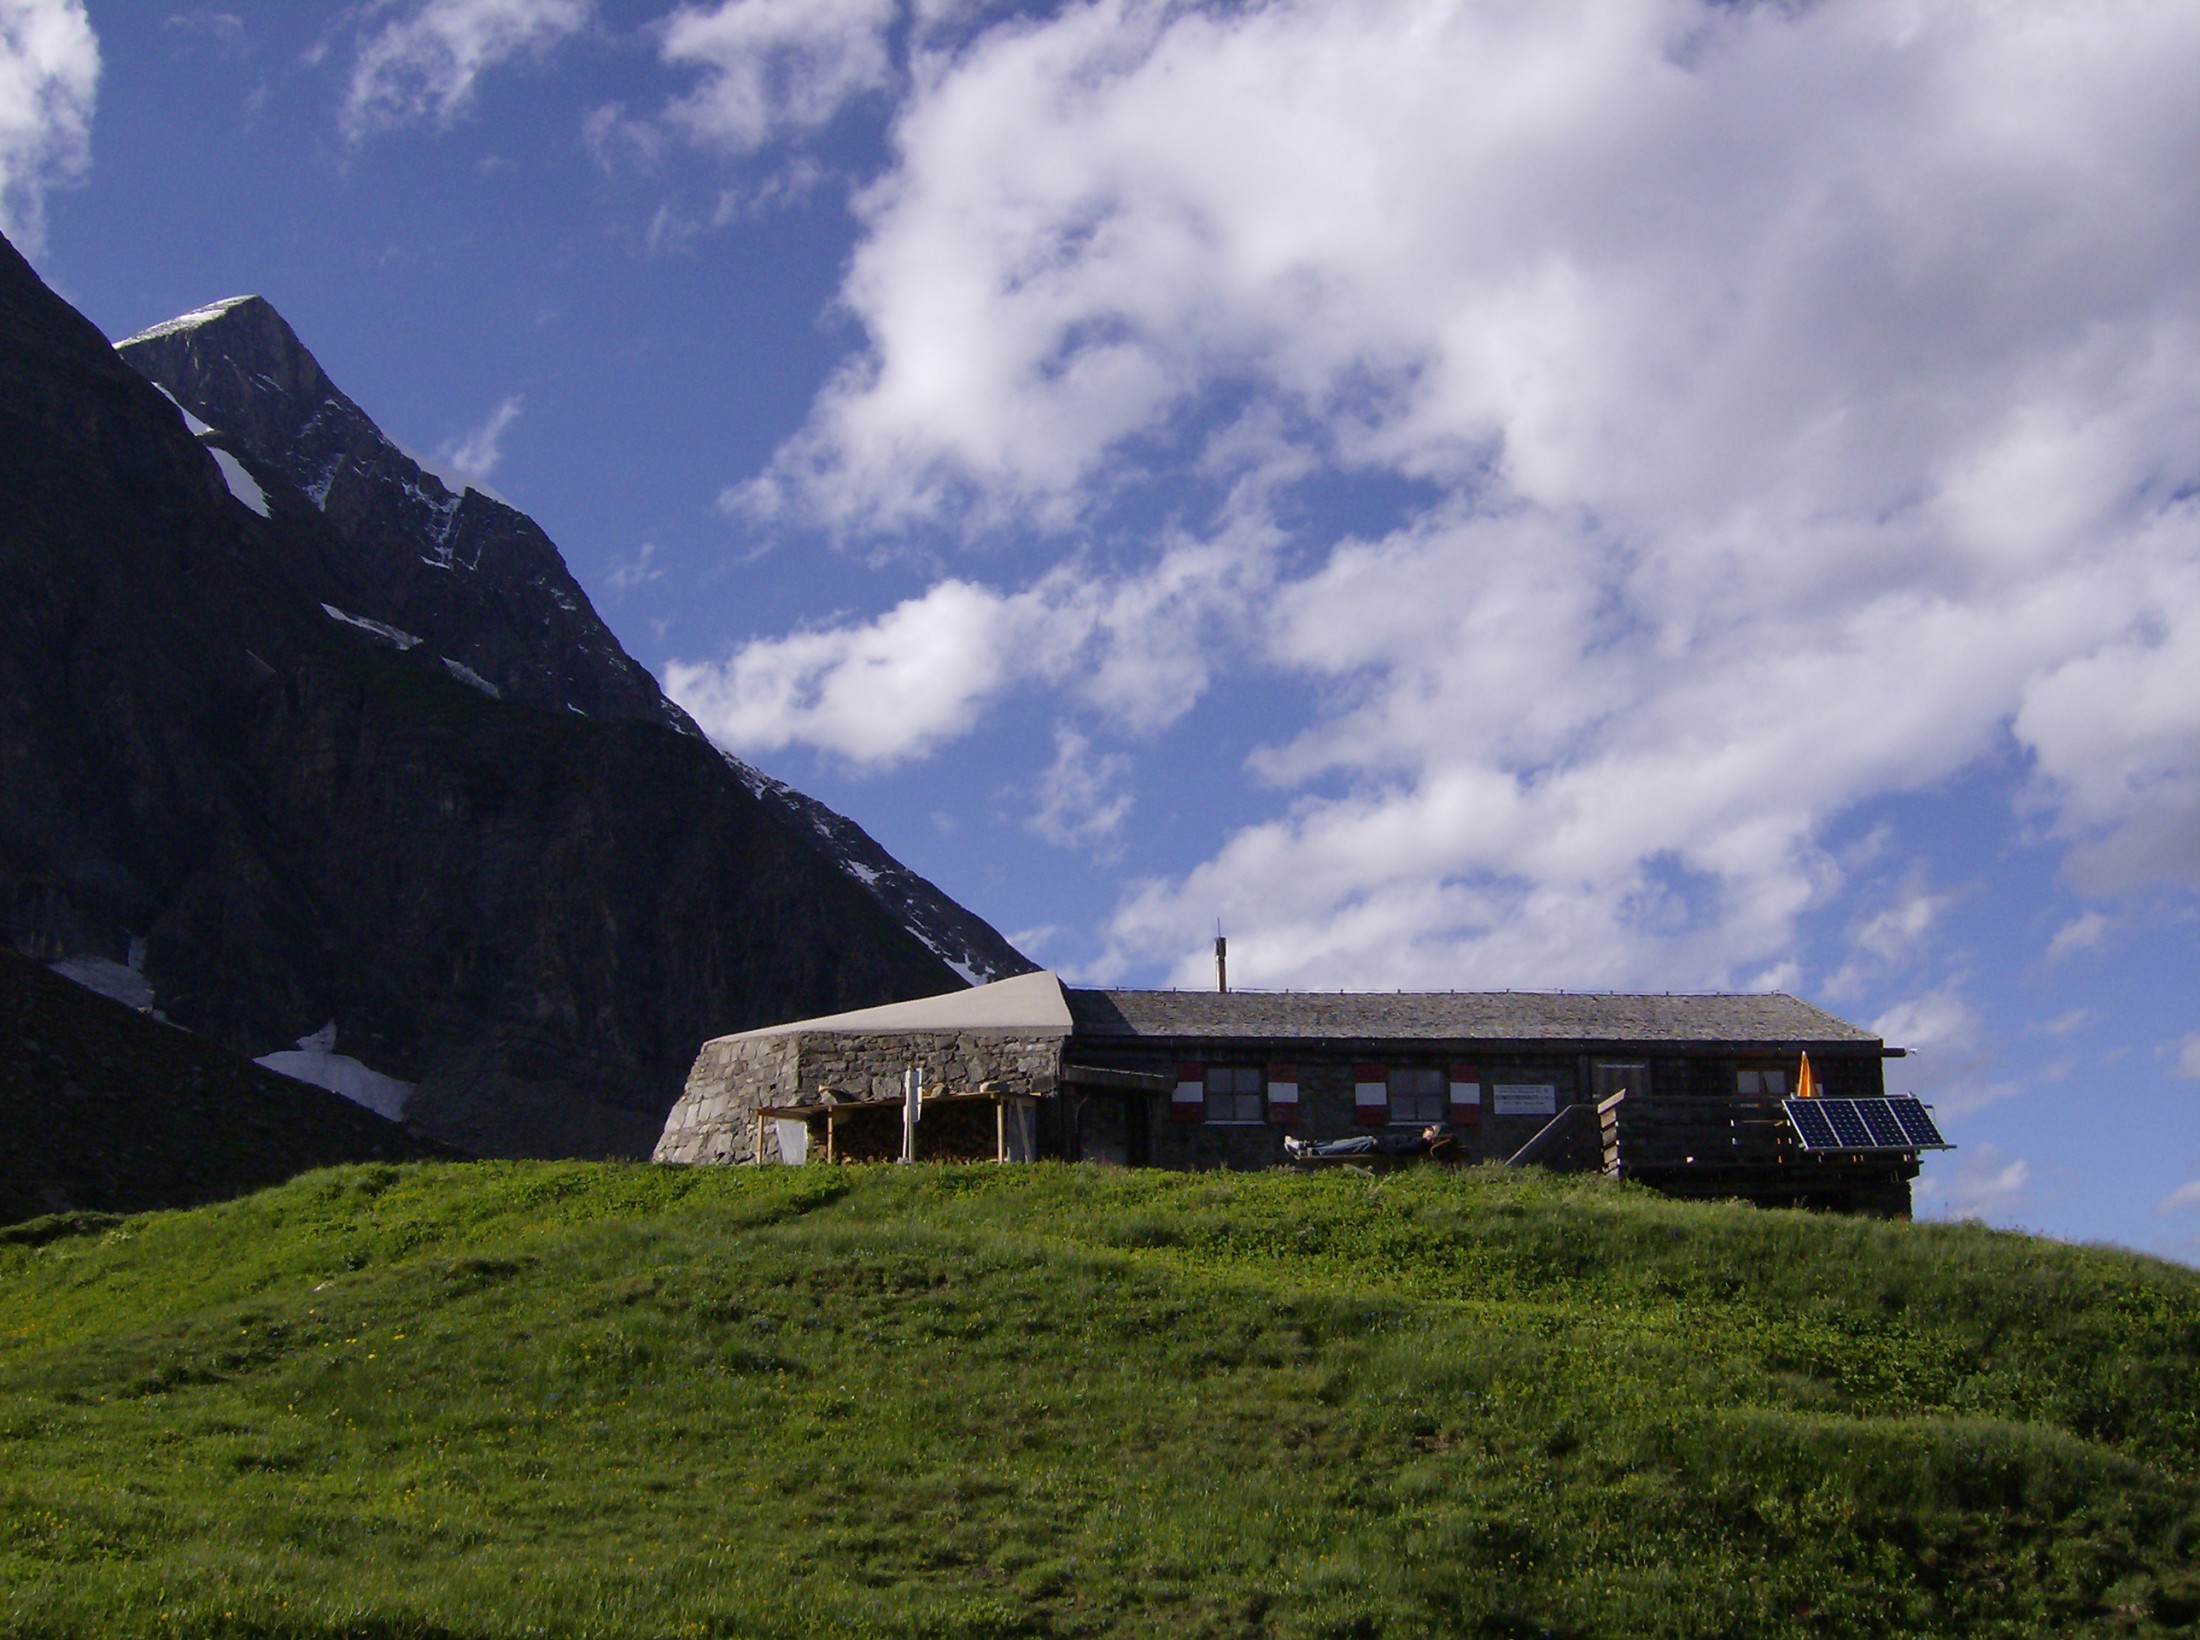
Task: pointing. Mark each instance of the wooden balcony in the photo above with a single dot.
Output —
(1738, 1147)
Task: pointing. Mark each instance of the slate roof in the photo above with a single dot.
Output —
(1526, 1017)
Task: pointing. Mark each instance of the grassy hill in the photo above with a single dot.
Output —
(509, 1399)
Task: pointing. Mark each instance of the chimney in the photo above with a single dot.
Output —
(1222, 964)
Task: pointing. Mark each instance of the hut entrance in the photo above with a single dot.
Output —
(953, 1127)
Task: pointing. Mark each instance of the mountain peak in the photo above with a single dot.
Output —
(238, 353)
(203, 316)
(477, 580)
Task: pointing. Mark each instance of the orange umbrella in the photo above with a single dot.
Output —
(1806, 1085)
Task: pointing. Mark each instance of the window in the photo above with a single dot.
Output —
(1761, 1082)
(1419, 1094)
(1233, 1093)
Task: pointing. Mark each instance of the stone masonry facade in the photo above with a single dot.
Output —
(735, 1077)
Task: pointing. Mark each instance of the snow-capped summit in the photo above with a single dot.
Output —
(190, 321)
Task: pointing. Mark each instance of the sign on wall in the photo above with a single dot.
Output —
(1524, 1099)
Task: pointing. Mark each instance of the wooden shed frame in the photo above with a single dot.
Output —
(837, 1111)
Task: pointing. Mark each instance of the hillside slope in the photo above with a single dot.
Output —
(105, 1110)
(294, 813)
(605, 1400)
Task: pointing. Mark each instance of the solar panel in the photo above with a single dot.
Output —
(1811, 1124)
(1848, 1126)
(1879, 1122)
(1900, 1123)
(1917, 1126)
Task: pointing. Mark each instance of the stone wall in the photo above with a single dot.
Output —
(715, 1120)
(869, 1065)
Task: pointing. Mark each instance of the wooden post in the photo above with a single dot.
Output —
(1608, 1131)
(759, 1138)
(1000, 1130)
(831, 1127)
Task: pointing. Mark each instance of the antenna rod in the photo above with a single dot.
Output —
(1222, 963)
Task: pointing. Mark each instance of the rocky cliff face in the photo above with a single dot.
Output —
(279, 808)
(477, 581)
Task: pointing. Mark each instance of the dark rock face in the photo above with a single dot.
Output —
(108, 1111)
(474, 579)
(477, 581)
(533, 915)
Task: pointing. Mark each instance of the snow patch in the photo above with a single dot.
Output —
(186, 321)
(110, 979)
(241, 484)
(317, 491)
(445, 508)
(757, 781)
(971, 974)
(388, 634)
(861, 873)
(315, 1060)
(189, 420)
(466, 674)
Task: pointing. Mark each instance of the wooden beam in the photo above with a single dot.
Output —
(1549, 1137)
(1103, 1076)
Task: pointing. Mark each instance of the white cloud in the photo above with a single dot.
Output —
(2184, 1199)
(224, 31)
(1139, 648)
(1083, 799)
(479, 453)
(628, 573)
(2188, 1057)
(1810, 398)
(1896, 932)
(2065, 1023)
(876, 692)
(2084, 932)
(1896, 935)
(774, 67)
(1952, 1063)
(427, 62)
(1940, 1022)
(2116, 729)
(1985, 1182)
(49, 85)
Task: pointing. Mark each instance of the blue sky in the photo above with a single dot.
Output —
(1638, 494)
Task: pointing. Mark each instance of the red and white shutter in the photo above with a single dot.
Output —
(1370, 1095)
(1190, 1101)
(1466, 1096)
(1283, 1094)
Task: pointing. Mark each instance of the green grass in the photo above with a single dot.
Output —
(510, 1399)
